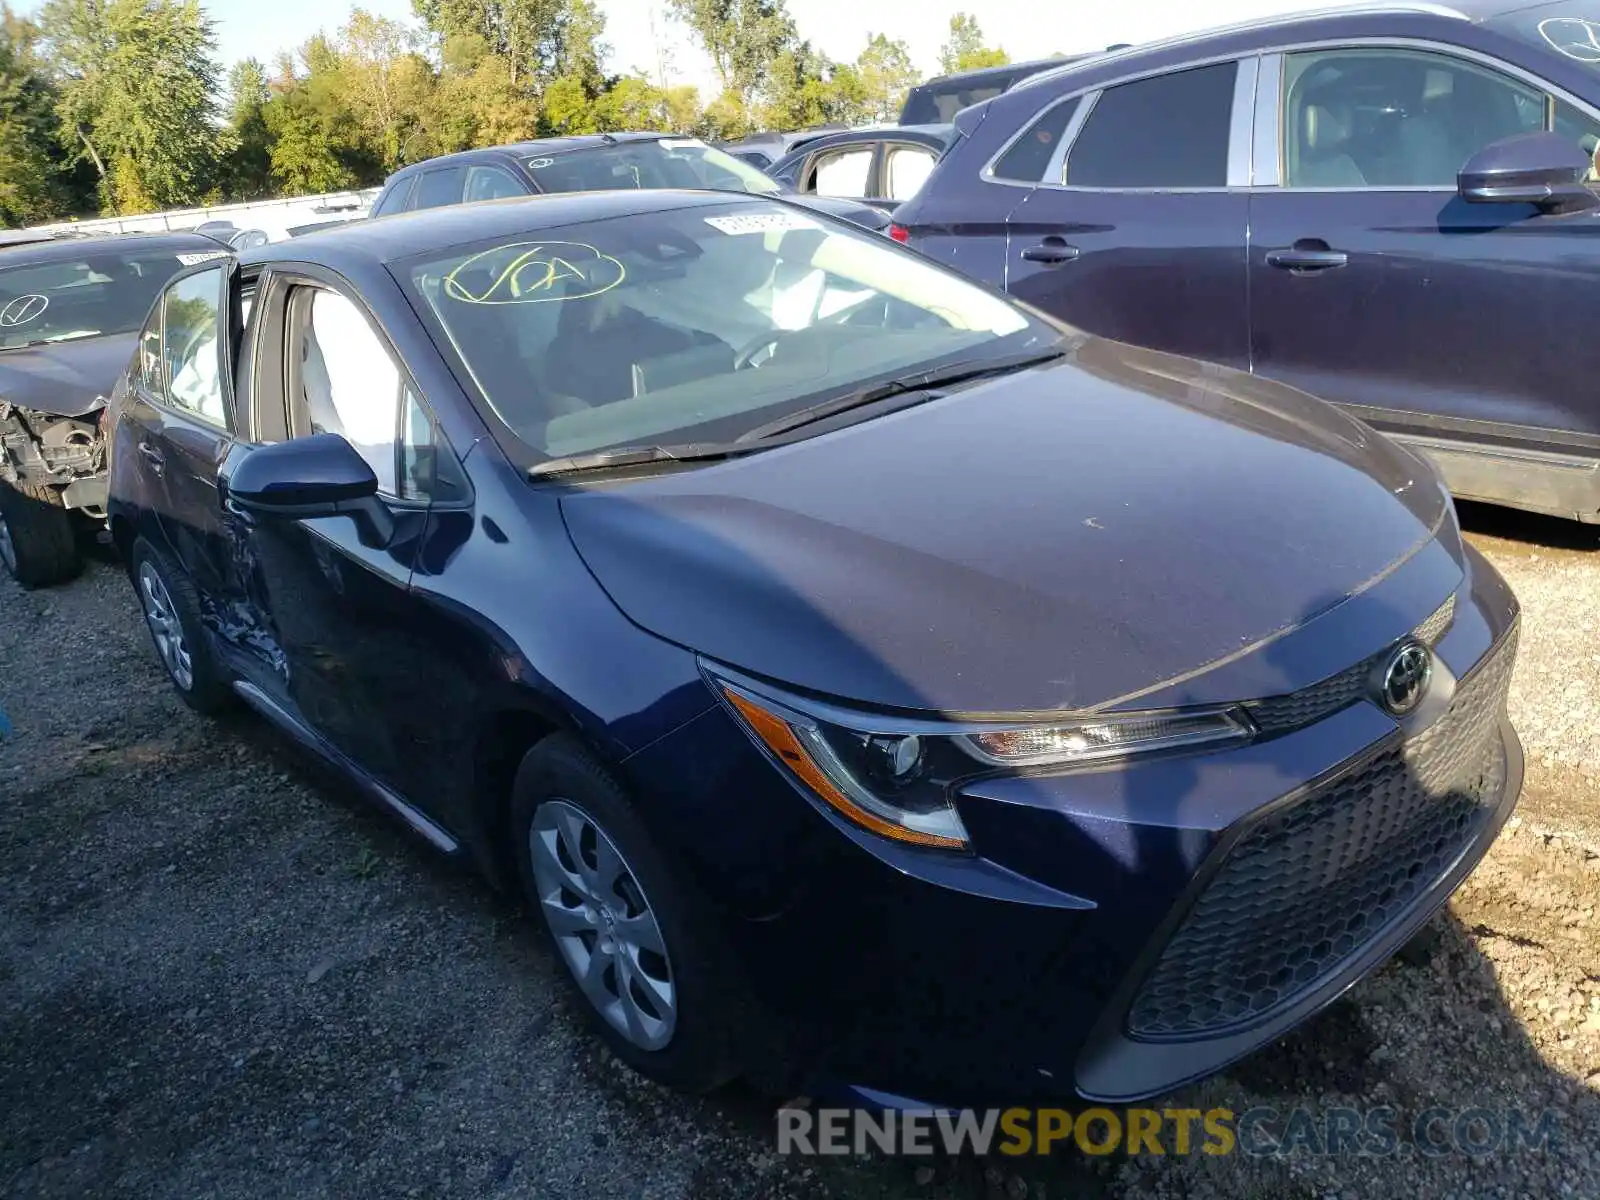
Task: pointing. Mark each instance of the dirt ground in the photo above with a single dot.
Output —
(222, 975)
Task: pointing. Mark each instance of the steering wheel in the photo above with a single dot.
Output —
(743, 357)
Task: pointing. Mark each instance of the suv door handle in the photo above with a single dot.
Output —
(1307, 255)
(1052, 251)
(157, 460)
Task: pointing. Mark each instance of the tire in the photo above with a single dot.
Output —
(172, 614)
(38, 543)
(561, 786)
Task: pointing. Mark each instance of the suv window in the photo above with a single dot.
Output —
(487, 182)
(1169, 131)
(1395, 118)
(191, 349)
(1030, 155)
(394, 200)
(438, 188)
(905, 168)
(841, 172)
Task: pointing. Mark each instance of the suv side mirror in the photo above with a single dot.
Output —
(1545, 169)
(319, 476)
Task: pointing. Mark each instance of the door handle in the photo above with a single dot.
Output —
(157, 460)
(1307, 255)
(1052, 251)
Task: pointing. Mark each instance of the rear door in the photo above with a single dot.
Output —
(1138, 228)
(184, 413)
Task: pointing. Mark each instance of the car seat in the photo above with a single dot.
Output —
(1324, 159)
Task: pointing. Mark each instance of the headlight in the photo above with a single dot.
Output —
(895, 776)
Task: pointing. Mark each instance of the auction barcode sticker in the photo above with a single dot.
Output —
(189, 260)
(761, 222)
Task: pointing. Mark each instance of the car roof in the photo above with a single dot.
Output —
(59, 246)
(533, 149)
(985, 74)
(381, 240)
(942, 134)
(1460, 10)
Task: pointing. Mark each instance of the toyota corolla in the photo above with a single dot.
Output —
(868, 682)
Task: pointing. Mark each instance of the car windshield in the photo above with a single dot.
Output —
(659, 163)
(104, 289)
(695, 324)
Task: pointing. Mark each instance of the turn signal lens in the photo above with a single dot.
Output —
(806, 749)
(1106, 737)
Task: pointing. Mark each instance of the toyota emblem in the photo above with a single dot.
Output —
(1405, 678)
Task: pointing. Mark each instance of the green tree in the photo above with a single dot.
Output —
(249, 168)
(806, 89)
(32, 184)
(526, 33)
(964, 49)
(387, 82)
(138, 84)
(886, 75)
(744, 39)
(318, 142)
(474, 103)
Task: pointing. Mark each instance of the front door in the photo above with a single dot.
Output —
(1373, 284)
(331, 640)
(1135, 232)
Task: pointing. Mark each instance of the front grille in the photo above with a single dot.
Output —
(1319, 878)
(1279, 714)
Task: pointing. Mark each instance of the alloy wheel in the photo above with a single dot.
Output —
(8, 548)
(165, 628)
(603, 924)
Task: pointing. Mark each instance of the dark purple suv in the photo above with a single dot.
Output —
(1390, 208)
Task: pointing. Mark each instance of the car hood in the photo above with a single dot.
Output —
(1061, 538)
(855, 211)
(65, 379)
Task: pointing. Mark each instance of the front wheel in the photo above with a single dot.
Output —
(635, 943)
(38, 544)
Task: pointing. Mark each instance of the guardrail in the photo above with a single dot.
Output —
(288, 210)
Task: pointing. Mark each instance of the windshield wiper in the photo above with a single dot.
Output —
(628, 456)
(963, 371)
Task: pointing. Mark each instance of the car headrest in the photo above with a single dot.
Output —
(1324, 128)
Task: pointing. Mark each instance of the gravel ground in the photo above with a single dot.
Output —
(222, 975)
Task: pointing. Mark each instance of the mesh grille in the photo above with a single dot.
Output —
(1314, 882)
(1279, 714)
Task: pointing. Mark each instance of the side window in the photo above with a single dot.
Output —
(438, 188)
(492, 183)
(150, 373)
(1030, 155)
(191, 349)
(905, 168)
(1582, 129)
(394, 200)
(1395, 118)
(1169, 131)
(342, 379)
(840, 172)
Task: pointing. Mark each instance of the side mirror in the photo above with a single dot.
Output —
(1545, 169)
(319, 476)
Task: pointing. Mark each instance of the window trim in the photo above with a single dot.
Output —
(1240, 123)
(163, 400)
(285, 278)
(872, 149)
(1269, 122)
(889, 146)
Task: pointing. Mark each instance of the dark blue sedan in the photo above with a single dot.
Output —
(868, 683)
(1388, 207)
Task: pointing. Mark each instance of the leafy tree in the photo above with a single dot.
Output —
(474, 103)
(138, 83)
(317, 139)
(886, 75)
(32, 184)
(744, 39)
(964, 49)
(249, 168)
(387, 82)
(806, 89)
(526, 33)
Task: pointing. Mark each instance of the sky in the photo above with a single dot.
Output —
(637, 29)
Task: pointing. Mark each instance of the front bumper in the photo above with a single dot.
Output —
(1107, 937)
